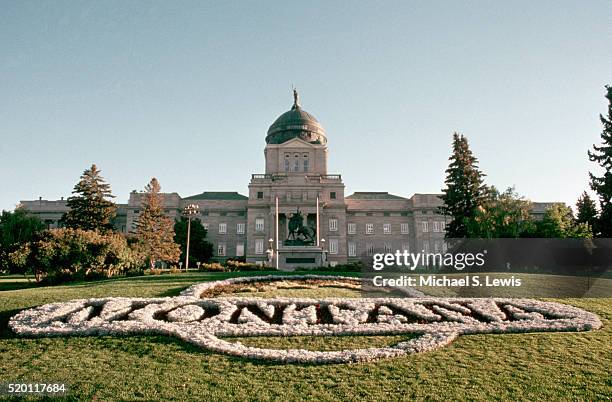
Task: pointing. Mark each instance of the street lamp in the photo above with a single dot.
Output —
(189, 211)
(323, 259)
(270, 251)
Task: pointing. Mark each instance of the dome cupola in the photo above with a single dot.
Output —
(296, 123)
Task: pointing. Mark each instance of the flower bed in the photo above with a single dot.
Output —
(202, 321)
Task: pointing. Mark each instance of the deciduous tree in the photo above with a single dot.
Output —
(16, 228)
(501, 215)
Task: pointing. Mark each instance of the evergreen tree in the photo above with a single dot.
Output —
(154, 230)
(90, 207)
(602, 185)
(199, 249)
(465, 191)
(586, 210)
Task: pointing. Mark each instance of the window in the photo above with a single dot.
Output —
(222, 228)
(406, 247)
(436, 246)
(386, 214)
(436, 226)
(286, 165)
(370, 249)
(221, 249)
(305, 165)
(260, 195)
(240, 250)
(442, 226)
(352, 228)
(205, 224)
(426, 246)
(386, 228)
(425, 226)
(404, 228)
(259, 246)
(296, 165)
(332, 195)
(259, 224)
(387, 247)
(369, 228)
(352, 249)
(333, 246)
(333, 225)
(240, 228)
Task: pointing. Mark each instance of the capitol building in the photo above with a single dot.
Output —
(296, 213)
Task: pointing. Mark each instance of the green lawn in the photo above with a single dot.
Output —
(553, 366)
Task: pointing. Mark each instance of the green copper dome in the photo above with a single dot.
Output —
(296, 123)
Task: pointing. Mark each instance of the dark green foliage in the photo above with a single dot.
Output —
(67, 254)
(602, 185)
(16, 229)
(559, 222)
(587, 211)
(501, 215)
(90, 207)
(199, 249)
(465, 191)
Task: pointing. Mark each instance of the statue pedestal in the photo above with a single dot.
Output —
(292, 257)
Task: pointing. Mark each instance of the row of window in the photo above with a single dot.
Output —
(332, 195)
(240, 227)
(439, 247)
(438, 226)
(294, 165)
(369, 227)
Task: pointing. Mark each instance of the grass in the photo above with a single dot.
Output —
(537, 366)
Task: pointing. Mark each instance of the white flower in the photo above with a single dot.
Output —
(437, 321)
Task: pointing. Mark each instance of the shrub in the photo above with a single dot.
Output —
(236, 265)
(59, 255)
(348, 267)
(212, 267)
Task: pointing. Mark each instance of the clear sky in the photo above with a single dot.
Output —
(185, 91)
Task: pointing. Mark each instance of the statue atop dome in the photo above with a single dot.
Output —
(296, 123)
(296, 99)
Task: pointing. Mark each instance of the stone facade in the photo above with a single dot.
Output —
(349, 227)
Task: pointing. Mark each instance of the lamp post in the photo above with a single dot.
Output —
(270, 251)
(189, 211)
(323, 259)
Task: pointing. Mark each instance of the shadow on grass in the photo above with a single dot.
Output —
(17, 285)
(5, 331)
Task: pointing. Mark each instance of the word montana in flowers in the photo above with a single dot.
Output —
(205, 322)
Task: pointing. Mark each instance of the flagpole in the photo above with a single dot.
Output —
(277, 256)
(318, 236)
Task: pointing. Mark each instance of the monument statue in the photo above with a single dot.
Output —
(296, 99)
(299, 234)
